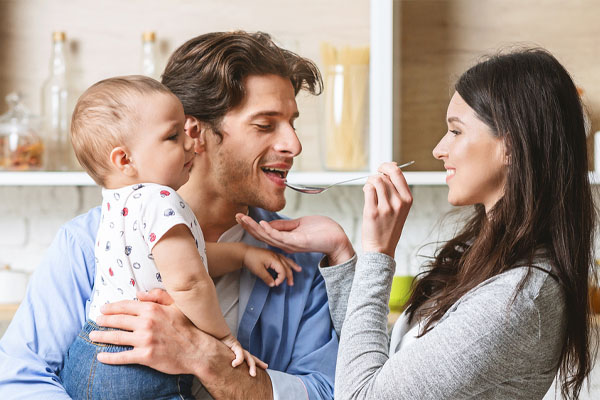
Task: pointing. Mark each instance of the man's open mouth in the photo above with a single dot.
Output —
(281, 173)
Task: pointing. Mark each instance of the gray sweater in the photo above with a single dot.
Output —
(484, 347)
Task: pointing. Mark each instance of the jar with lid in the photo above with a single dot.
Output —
(21, 148)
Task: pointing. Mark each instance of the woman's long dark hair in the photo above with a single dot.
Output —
(528, 99)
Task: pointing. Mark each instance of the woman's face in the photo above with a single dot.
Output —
(475, 159)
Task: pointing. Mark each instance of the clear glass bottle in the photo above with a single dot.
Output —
(55, 112)
(149, 60)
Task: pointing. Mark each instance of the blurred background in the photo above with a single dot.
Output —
(433, 41)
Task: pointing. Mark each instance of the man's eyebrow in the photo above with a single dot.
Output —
(271, 114)
(455, 119)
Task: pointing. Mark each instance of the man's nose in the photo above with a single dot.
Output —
(288, 142)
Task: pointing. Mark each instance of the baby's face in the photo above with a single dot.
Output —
(161, 152)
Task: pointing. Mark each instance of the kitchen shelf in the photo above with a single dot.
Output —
(45, 178)
(42, 178)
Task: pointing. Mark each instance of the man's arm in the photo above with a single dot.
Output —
(50, 316)
(164, 339)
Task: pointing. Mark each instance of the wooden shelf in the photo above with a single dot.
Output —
(45, 178)
(306, 178)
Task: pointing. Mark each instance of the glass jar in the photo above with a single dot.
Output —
(346, 95)
(21, 148)
(346, 108)
(149, 60)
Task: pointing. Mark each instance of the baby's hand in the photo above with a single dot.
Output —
(241, 355)
(258, 261)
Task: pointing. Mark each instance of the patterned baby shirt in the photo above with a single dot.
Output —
(133, 220)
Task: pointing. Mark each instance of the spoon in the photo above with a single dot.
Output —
(321, 189)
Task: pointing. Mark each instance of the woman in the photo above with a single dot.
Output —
(503, 305)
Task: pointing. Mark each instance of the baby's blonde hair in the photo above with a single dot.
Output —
(105, 115)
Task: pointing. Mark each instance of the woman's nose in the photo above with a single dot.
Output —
(440, 150)
(288, 142)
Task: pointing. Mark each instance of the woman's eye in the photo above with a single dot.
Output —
(454, 132)
(173, 137)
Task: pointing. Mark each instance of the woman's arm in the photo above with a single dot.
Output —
(483, 342)
(313, 233)
(338, 282)
(319, 234)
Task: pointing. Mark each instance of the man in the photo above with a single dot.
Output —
(238, 91)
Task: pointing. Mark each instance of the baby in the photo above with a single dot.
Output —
(128, 134)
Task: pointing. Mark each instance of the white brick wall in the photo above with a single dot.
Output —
(31, 217)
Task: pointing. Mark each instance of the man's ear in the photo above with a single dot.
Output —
(196, 130)
(121, 160)
(192, 127)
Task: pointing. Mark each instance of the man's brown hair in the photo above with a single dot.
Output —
(207, 72)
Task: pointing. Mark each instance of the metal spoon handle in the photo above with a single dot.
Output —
(366, 176)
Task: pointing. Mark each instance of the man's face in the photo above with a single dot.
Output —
(259, 144)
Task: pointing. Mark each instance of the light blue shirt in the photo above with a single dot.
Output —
(288, 327)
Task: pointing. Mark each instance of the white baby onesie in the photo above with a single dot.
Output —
(133, 220)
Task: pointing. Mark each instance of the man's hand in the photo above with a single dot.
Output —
(164, 339)
(259, 261)
(312, 233)
(161, 336)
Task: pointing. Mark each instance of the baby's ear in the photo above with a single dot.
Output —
(120, 159)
